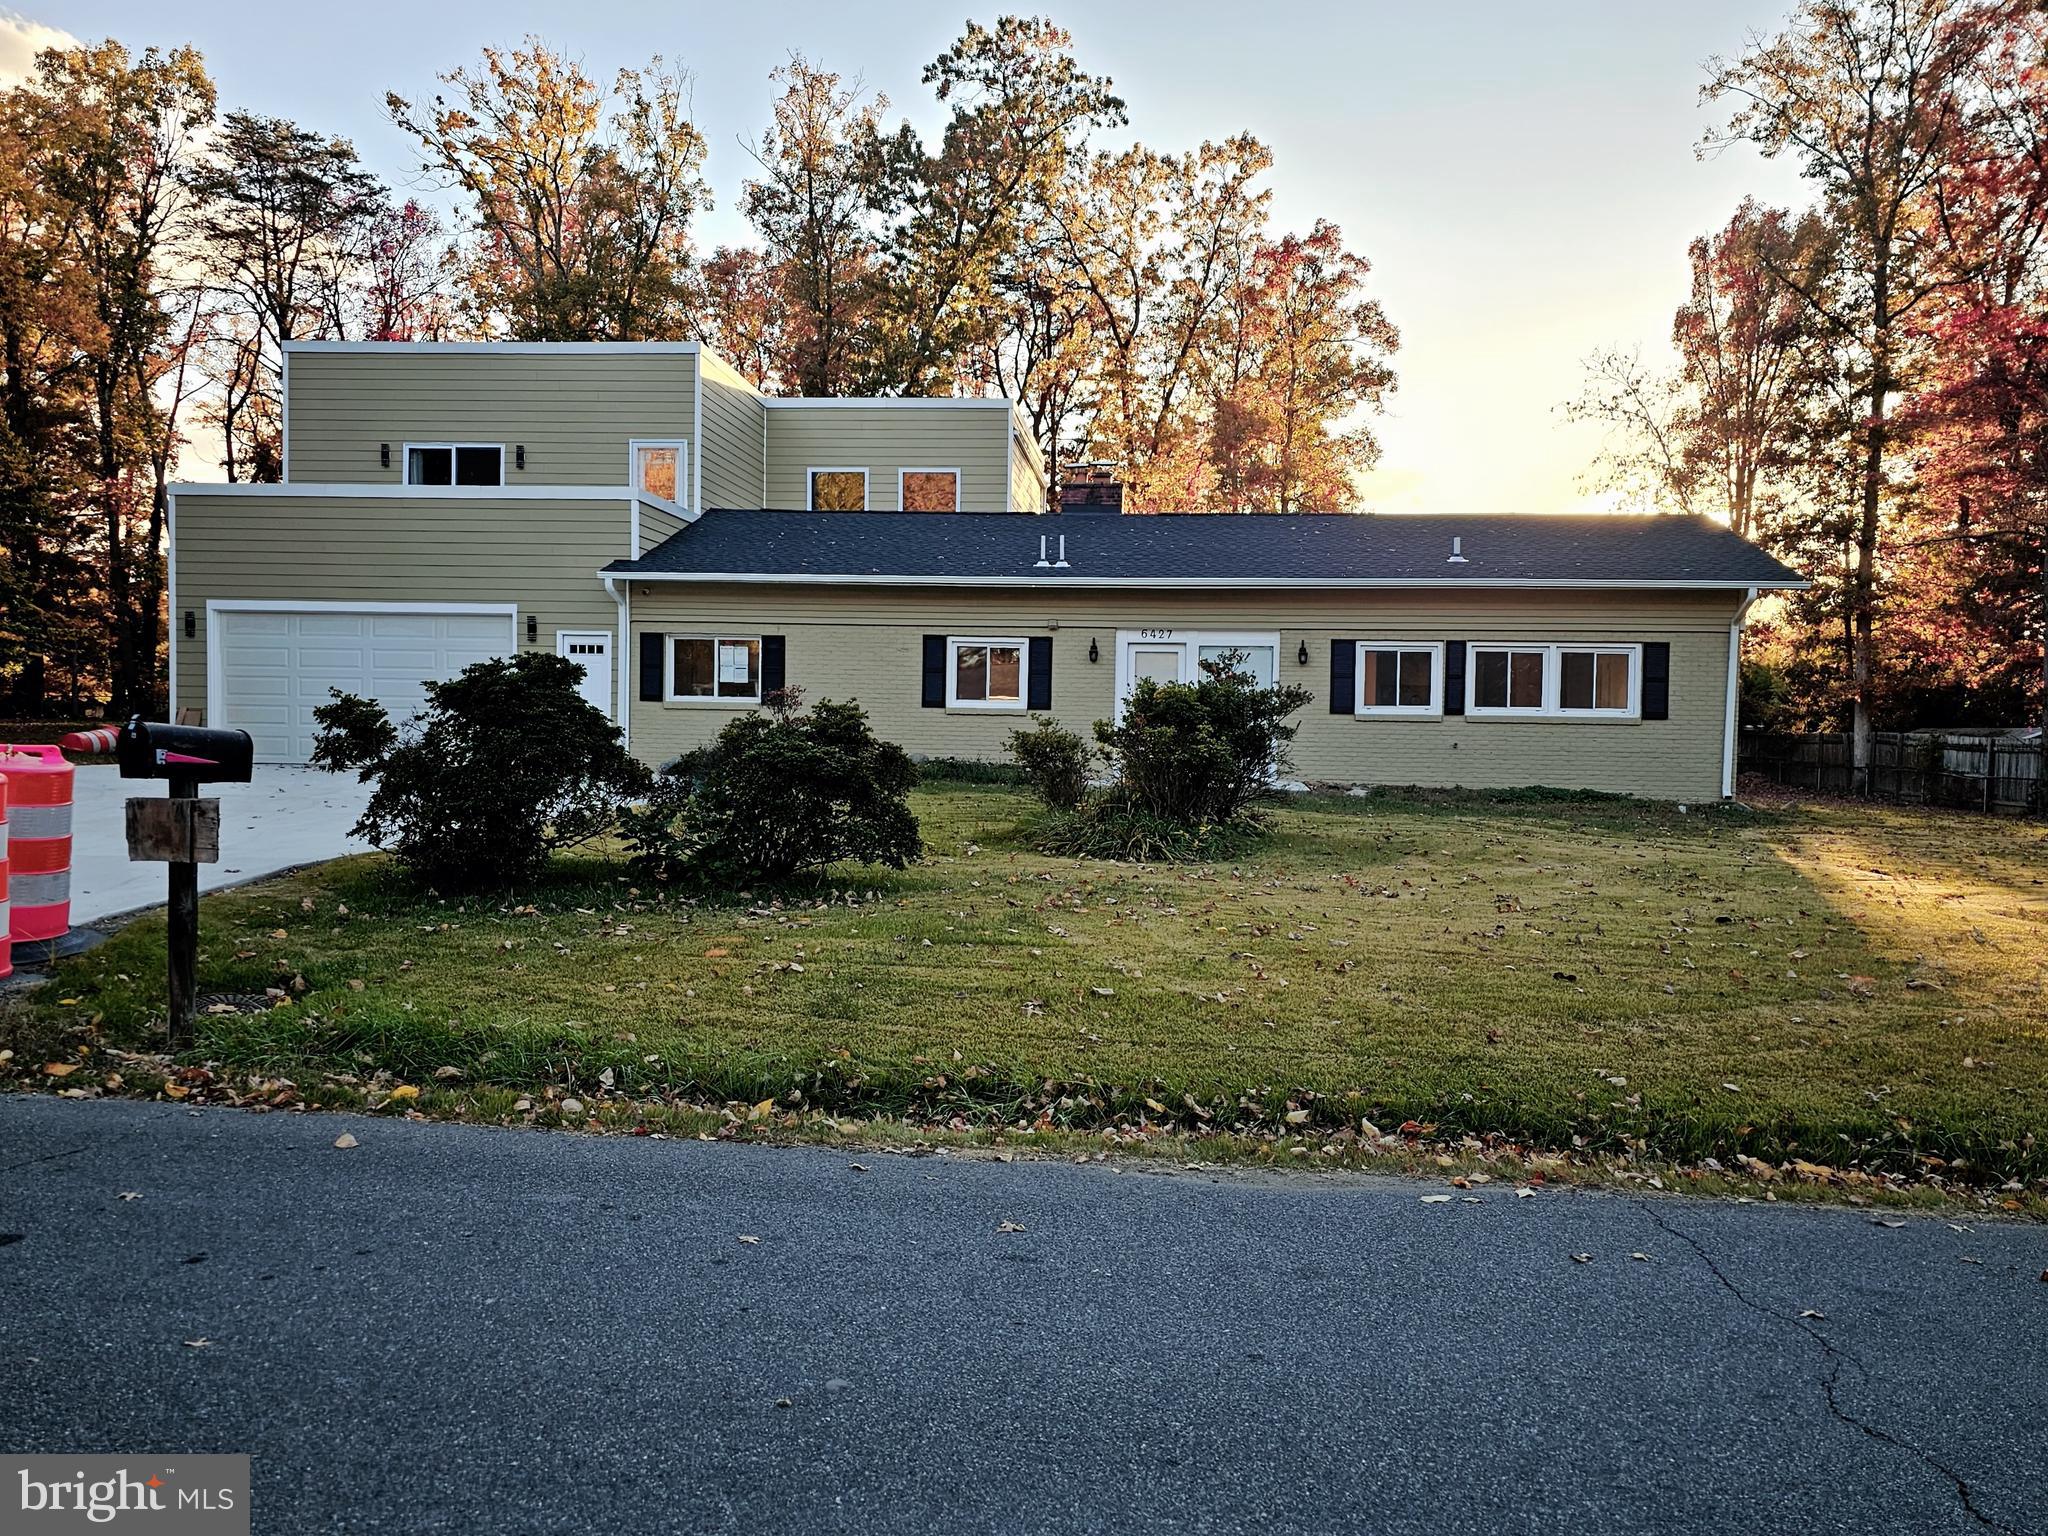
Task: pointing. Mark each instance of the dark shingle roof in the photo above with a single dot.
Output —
(1202, 549)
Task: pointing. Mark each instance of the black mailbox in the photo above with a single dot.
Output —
(149, 749)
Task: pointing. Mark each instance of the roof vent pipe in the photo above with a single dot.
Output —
(1041, 563)
(1457, 555)
(1061, 563)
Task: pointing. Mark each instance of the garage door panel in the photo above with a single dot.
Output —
(278, 666)
(399, 625)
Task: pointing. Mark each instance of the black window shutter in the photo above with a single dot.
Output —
(1038, 690)
(934, 671)
(650, 666)
(1657, 680)
(1343, 677)
(1454, 677)
(771, 664)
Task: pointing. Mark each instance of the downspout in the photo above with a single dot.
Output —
(1729, 726)
(621, 673)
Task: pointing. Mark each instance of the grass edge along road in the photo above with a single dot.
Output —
(1858, 991)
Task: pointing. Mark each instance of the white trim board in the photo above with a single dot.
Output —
(391, 489)
(887, 403)
(543, 348)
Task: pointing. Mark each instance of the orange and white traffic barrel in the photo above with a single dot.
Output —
(39, 788)
(6, 931)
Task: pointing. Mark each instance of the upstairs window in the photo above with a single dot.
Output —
(929, 490)
(454, 464)
(661, 469)
(839, 490)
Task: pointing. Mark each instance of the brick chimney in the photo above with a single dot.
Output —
(1091, 490)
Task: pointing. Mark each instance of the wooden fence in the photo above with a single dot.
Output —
(1978, 771)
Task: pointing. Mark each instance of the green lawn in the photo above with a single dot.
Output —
(1843, 985)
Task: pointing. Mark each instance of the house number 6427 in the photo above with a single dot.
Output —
(1155, 634)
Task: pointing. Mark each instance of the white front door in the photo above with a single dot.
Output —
(593, 650)
(1176, 655)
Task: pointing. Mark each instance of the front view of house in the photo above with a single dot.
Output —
(696, 545)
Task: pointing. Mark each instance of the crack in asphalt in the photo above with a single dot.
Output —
(1836, 1357)
(47, 1158)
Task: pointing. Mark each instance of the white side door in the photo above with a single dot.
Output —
(1176, 655)
(592, 649)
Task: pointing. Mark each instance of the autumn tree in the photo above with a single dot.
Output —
(1875, 100)
(813, 203)
(408, 269)
(582, 198)
(1019, 105)
(1306, 355)
(107, 137)
(282, 223)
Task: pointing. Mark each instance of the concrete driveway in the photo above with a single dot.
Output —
(285, 817)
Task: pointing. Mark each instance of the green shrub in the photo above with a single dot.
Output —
(1054, 762)
(1107, 826)
(780, 792)
(506, 764)
(1202, 754)
(966, 770)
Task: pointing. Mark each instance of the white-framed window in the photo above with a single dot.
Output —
(1400, 677)
(838, 488)
(1599, 681)
(454, 463)
(985, 672)
(928, 490)
(717, 669)
(661, 468)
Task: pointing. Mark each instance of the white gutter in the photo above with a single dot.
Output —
(1729, 724)
(622, 673)
(1204, 583)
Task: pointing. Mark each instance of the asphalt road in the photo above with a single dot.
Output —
(447, 1329)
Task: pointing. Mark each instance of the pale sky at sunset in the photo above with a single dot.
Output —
(1521, 177)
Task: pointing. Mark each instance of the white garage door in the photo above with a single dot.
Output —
(276, 666)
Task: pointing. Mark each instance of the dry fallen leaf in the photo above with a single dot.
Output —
(402, 1093)
(60, 1068)
(1524, 1192)
(1582, 1258)
(345, 1141)
(1640, 1258)
(749, 1240)
(1817, 1316)
(199, 1343)
(1009, 1226)
(128, 1194)
(1436, 1199)
(1885, 1221)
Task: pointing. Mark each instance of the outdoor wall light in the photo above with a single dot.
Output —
(519, 456)
(1301, 655)
(532, 629)
(1094, 651)
(191, 625)
(384, 455)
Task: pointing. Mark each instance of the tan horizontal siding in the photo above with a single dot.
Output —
(734, 437)
(884, 439)
(575, 412)
(657, 526)
(866, 644)
(540, 555)
(1027, 480)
